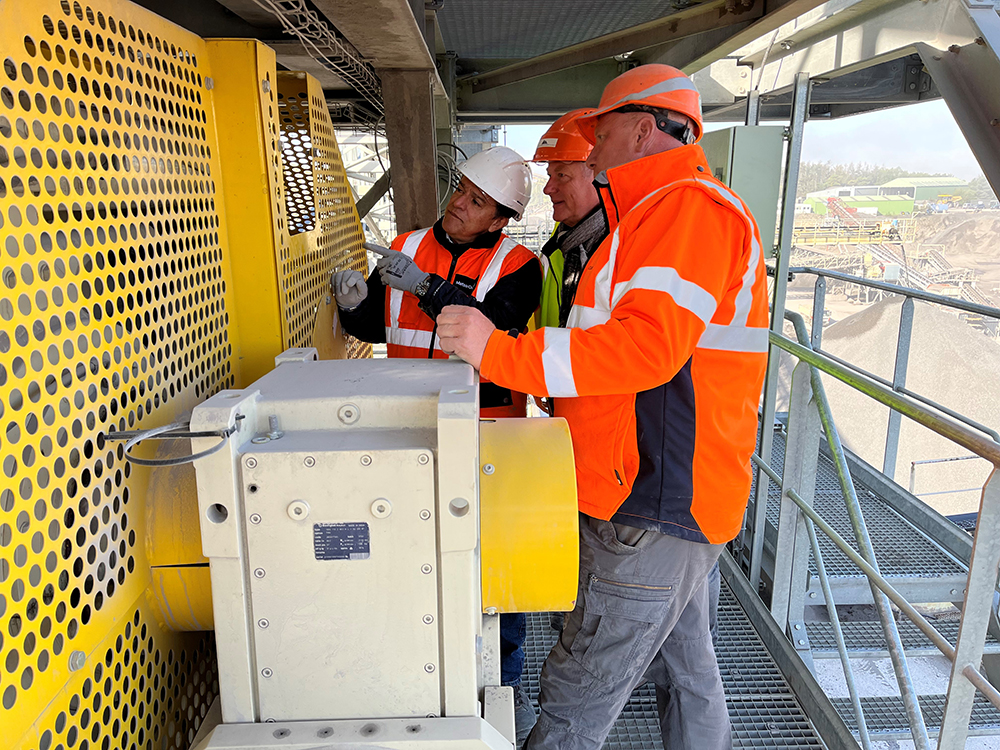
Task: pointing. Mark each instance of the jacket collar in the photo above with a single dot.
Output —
(487, 239)
(591, 226)
(623, 187)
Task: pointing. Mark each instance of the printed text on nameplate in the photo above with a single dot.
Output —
(341, 541)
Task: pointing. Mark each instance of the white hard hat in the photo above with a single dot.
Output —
(502, 174)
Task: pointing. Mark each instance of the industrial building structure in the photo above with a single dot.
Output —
(173, 200)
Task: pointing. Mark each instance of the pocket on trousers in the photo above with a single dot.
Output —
(621, 626)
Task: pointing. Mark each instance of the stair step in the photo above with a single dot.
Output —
(865, 639)
(886, 716)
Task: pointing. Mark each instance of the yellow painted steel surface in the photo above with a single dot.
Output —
(292, 221)
(122, 272)
(528, 515)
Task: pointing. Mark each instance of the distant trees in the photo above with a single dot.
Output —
(819, 175)
(978, 190)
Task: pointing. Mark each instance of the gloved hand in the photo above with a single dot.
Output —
(398, 270)
(349, 288)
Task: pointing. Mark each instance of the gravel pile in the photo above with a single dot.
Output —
(950, 362)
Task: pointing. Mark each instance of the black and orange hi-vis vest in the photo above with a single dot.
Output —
(492, 273)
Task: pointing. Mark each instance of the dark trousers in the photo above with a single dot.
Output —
(512, 633)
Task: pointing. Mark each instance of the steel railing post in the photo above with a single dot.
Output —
(898, 382)
(975, 617)
(819, 306)
(791, 554)
(800, 112)
(838, 634)
(894, 644)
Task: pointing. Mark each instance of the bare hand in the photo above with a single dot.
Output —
(464, 331)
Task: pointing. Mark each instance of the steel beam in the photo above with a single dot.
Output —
(848, 36)
(409, 127)
(703, 17)
(772, 20)
(967, 77)
(541, 99)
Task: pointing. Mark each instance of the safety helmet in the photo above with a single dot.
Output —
(656, 86)
(502, 174)
(563, 140)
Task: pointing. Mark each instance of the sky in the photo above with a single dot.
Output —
(918, 137)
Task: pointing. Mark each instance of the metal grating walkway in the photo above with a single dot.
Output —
(865, 638)
(762, 709)
(906, 556)
(886, 716)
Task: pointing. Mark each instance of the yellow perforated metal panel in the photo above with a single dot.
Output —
(322, 220)
(114, 310)
(119, 309)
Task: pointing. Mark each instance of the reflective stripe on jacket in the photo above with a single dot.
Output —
(476, 270)
(660, 369)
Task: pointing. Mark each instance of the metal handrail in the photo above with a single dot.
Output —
(883, 584)
(894, 642)
(990, 312)
(941, 423)
(916, 396)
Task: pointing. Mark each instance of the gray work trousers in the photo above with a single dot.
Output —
(641, 614)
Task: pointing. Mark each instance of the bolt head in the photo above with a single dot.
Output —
(309, 461)
(262, 623)
(349, 413)
(490, 611)
(428, 619)
(259, 573)
(77, 661)
(381, 508)
(366, 460)
(428, 668)
(298, 510)
(423, 459)
(802, 642)
(267, 672)
(489, 469)
(255, 518)
(426, 569)
(425, 515)
(251, 462)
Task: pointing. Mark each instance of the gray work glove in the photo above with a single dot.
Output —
(349, 289)
(398, 270)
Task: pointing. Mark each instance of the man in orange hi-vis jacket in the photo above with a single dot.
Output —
(658, 372)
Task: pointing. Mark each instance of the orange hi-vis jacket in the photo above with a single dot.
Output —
(493, 273)
(659, 370)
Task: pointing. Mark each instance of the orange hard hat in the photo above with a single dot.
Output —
(563, 140)
(657, 86)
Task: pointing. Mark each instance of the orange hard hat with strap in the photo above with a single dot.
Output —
(659, 87)
(563, 141)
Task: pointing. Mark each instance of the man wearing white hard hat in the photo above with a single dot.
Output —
(464, 259)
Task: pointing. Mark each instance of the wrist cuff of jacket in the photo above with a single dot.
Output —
(496, 340)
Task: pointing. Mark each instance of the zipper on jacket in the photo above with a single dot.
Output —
(451, 272)
(595, 579)
(619, 478)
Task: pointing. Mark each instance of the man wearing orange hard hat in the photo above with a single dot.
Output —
(576, 208)
(658, 372)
